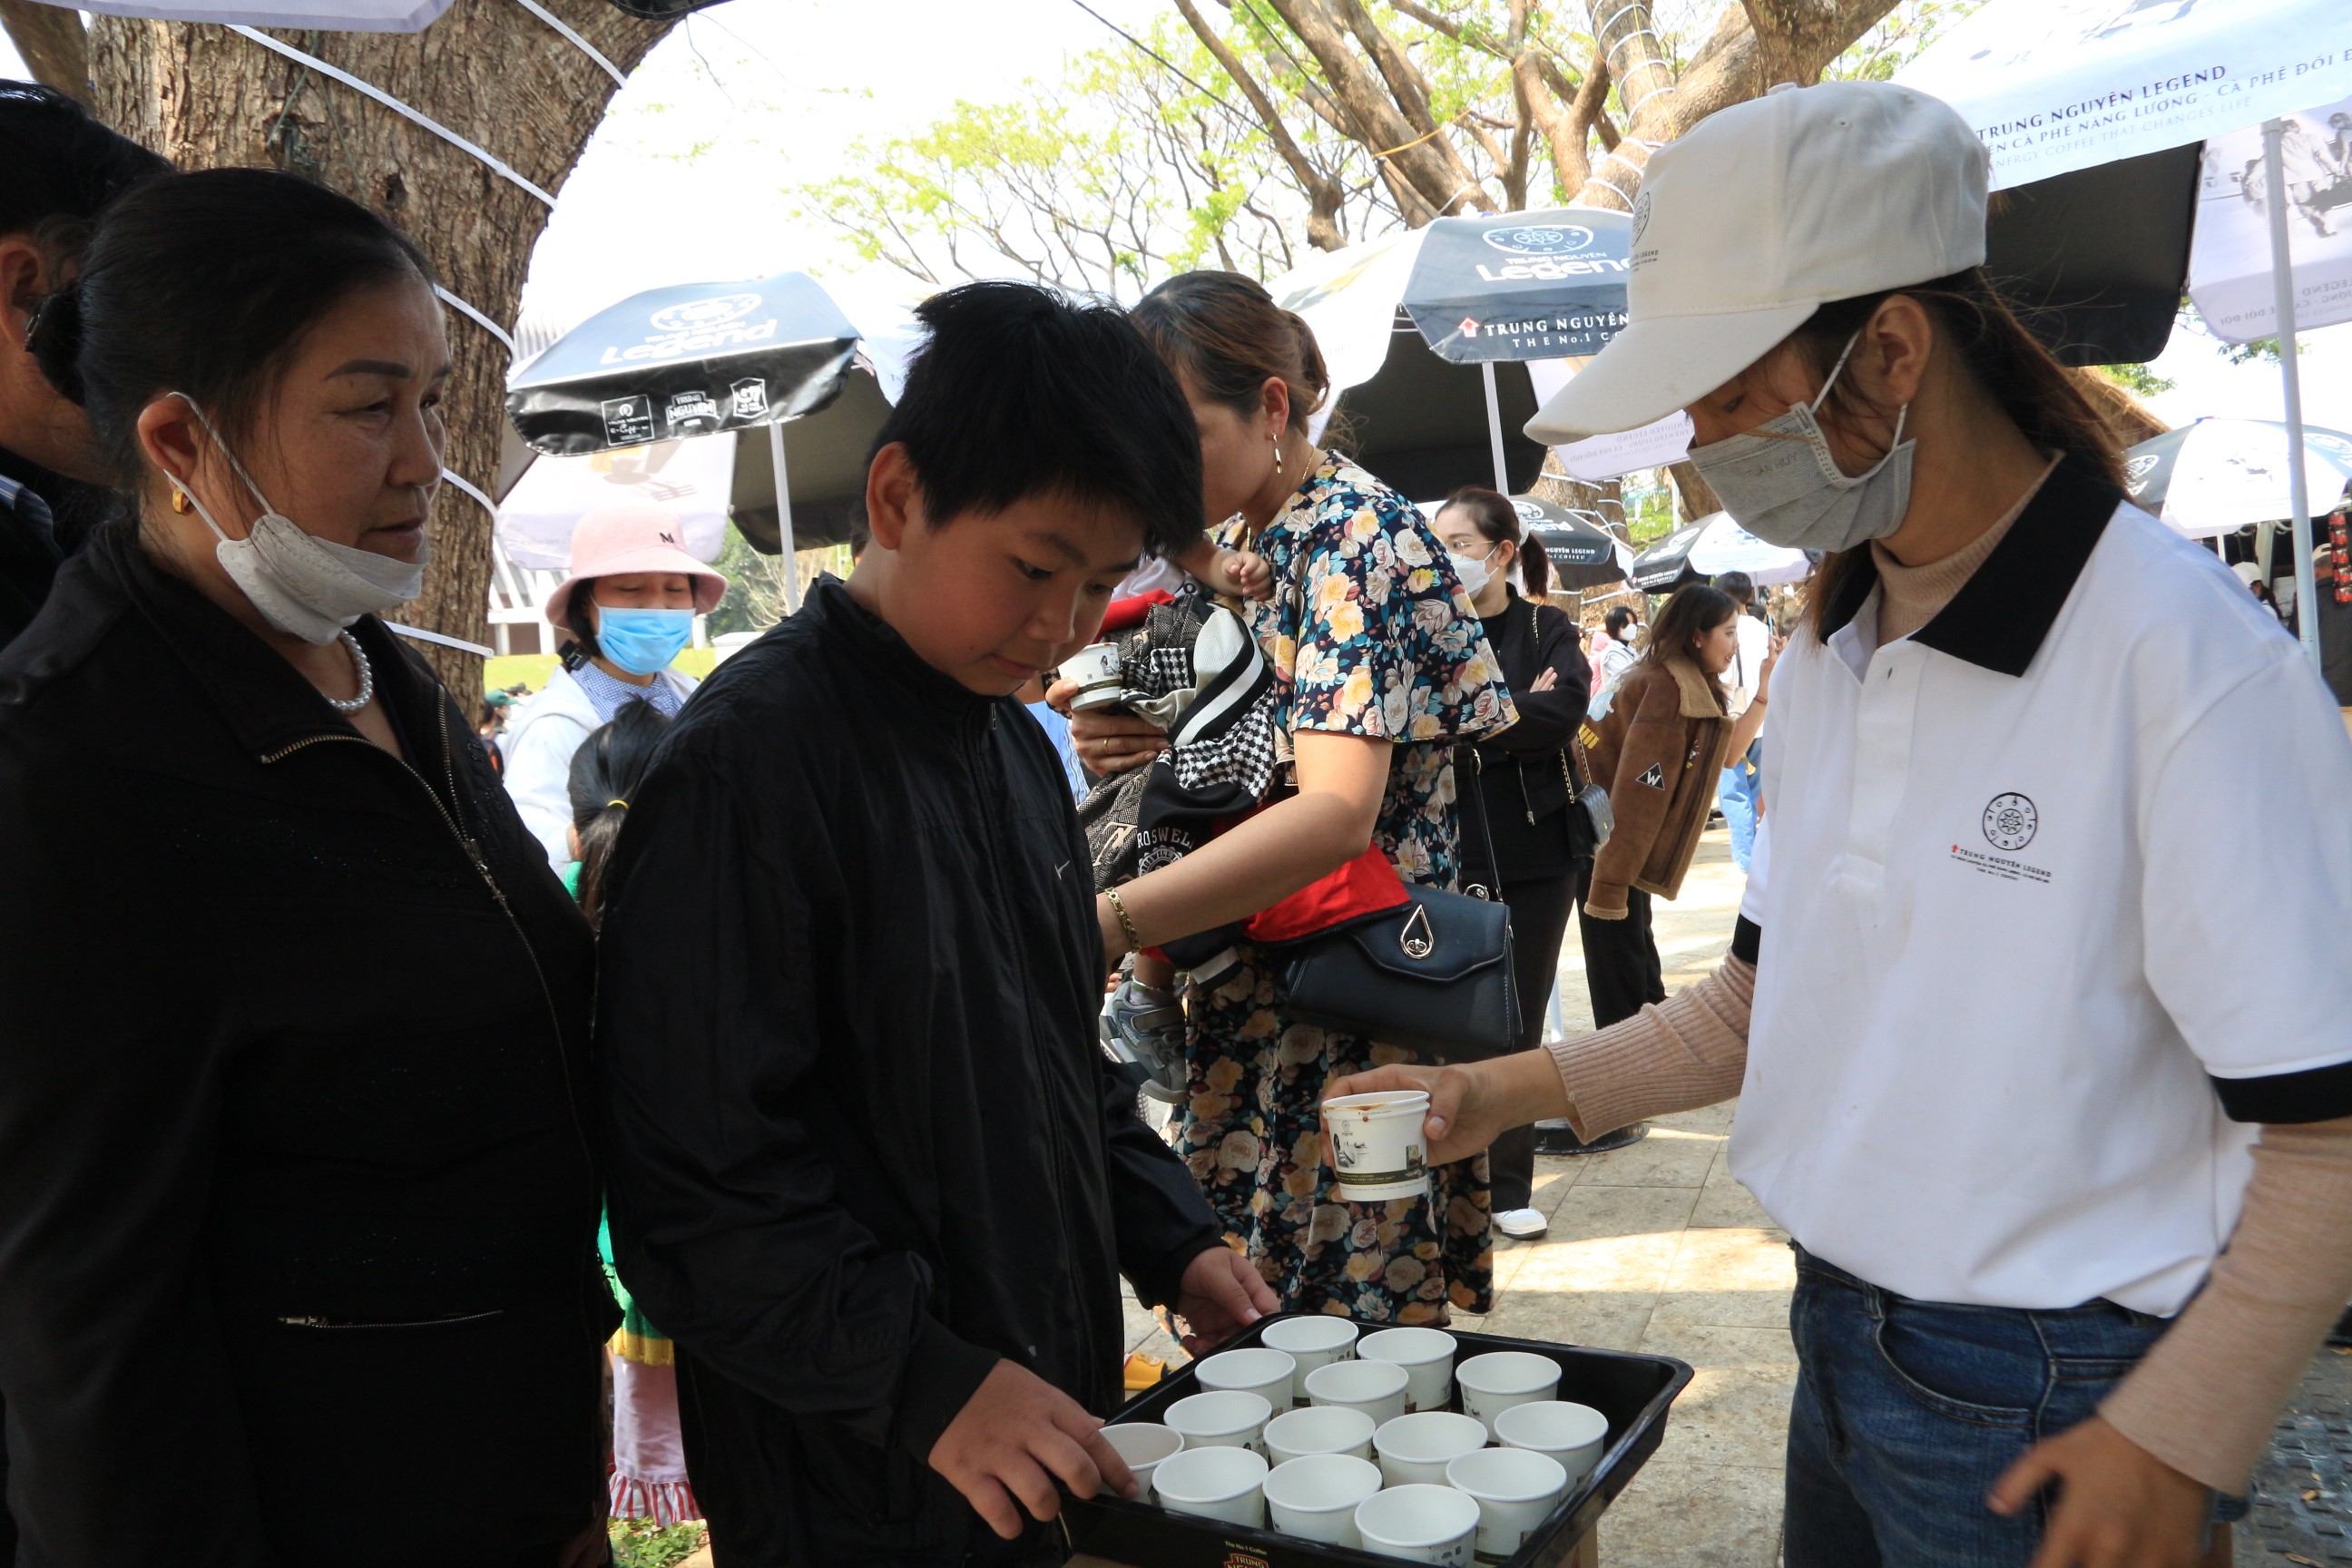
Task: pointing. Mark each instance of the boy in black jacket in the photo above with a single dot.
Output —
(868, 1167)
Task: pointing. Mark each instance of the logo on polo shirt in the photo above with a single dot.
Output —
(2009, 822)
(1652, 775)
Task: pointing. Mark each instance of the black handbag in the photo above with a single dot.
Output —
(1589, 797)
(1435, 974)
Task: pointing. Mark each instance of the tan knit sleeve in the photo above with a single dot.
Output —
(1677, 1055)
(2203, 1400)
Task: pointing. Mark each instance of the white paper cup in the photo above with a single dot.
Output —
(1267, 1374)
(1575, 1434)
(1420, 1524)
(1427, 1357)
(1315, 1498)
(1516, 1489)
(1142, 1444)
(1227, 1418)
(1095, 670)
(1416, 1449)
(1312, 1341)
(1376, 1141)
(1213, 1483)
(1375, 1387)
(1493, 1382)
(1318, 1429)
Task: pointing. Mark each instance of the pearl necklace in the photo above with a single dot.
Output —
(367, 678)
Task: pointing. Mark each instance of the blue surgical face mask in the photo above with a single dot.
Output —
(643, 642)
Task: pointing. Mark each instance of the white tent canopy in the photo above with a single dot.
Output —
(331, 15)
(2230, 276)
(2051, 86)
(2055, 85)
(691, 478)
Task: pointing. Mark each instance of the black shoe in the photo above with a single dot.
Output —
(1559, 1137)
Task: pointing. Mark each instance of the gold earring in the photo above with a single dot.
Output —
(180, 503)
(1278, 454)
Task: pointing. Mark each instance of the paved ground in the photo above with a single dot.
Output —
(2302, 1488)
(1655, 1248)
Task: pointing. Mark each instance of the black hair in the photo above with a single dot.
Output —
(1020, 392)
(582, 645)
(1739, 586)
(1996, 352)
(1617, 620)
(605, 773)
(206, 283)
(59, 166)
(1692, 611)
(1224, 331)
(1497, 521)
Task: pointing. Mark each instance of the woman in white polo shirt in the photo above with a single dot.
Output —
(2006, 1074)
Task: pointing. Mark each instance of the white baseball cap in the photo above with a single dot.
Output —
(1766, 211)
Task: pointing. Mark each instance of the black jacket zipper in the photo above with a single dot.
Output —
(985, 766)
(473, 852)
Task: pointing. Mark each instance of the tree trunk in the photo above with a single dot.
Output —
(49, 37)
(489, 70)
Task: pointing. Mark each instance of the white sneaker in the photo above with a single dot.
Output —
(1521, 1224)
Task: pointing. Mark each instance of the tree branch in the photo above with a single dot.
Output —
(1323, 197)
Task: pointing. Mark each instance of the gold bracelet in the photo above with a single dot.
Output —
(1126, 921)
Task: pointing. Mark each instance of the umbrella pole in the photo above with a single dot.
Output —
(2306, 584)
(784, 519)
(1495, 427)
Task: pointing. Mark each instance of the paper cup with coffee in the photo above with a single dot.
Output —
(1575, 1434)
(1215, 1483)
(1315, 1499)
(1375, 1387)
(1516, 1489)
(1316, 1340)
(1492, 1384)
(1419, 1447)
(1420, 1524)
(1227, 1418)
(1427, 1357)
(1259, 1371)
(1319, 1429)
(1376, 1141)
(1142, 1444)
(1095, 670)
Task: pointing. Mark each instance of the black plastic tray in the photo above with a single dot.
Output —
(1633, 1390)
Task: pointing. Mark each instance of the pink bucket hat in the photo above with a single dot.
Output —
(627, 537)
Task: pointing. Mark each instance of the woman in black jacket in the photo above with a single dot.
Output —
(296, 1217)
(1523, 778)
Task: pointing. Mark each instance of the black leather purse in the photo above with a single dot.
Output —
(1435, 974)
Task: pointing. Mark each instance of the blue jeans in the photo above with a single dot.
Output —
(1736, 793)
(1908, 1412)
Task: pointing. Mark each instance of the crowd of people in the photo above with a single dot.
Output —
(738, 1045)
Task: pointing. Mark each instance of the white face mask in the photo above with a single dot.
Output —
(1472, 570)
(305, 587)
(1780, 482)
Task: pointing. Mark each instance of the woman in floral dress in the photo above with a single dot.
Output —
(1386, 667)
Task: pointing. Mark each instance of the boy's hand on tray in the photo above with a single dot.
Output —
(1013, 1438)
(1221, 1294)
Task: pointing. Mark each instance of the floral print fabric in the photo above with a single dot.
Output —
(1371, 634)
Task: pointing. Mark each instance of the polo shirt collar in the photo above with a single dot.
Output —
(2002, 613)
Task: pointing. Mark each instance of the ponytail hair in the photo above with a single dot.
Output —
(1997, 353)
(1224, 335)
(605, 773)
(1497, 521)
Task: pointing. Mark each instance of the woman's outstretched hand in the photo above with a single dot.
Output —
(1469, 1105)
